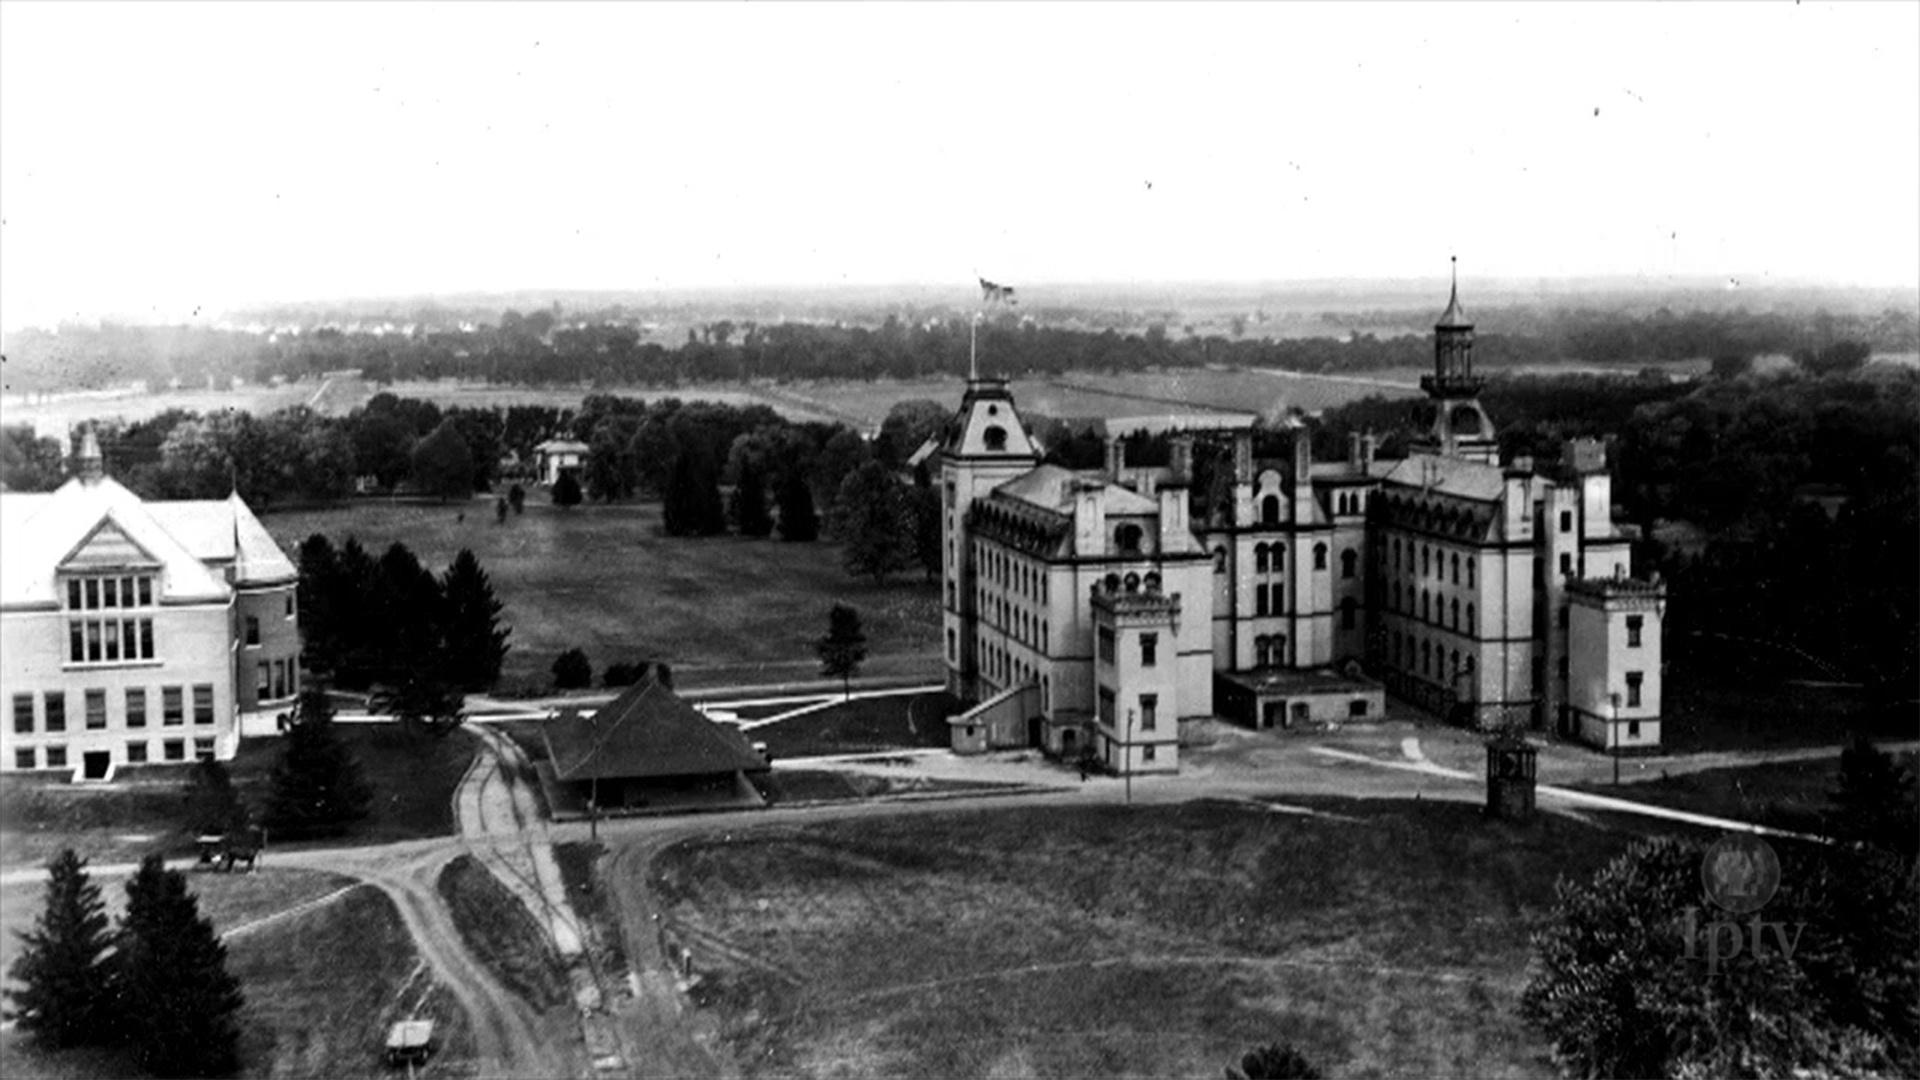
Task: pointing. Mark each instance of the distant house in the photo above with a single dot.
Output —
(649, 749)
(555, 456)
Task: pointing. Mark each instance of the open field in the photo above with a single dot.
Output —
(851, 727)
(144, 810)
(1385, 938)
(322, 1015)
(603, 578)
(1703, 712)
(1792, 795)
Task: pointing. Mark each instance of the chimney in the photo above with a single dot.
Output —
(1302, 457)
(1090, 519)
(1116, 457)
(1175, 533)
(1369, 446)
(1182, 459)
(1243, 457)
(1353, 450)
(91, 467)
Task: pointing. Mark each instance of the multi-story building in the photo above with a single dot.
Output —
(135, 632)
(1088, 609)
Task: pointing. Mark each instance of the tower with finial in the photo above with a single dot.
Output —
(1457, 426)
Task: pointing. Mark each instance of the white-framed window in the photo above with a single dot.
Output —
(1149, 649)
(56, 756)
(26, 757)
(1149, 711)
(56, 709)
(253, 630)
(96, 701)
(136, 707)
(203, 703)
(1634, 680)
(174, 750)
(173, 709)
(98, 639)
(23, 714)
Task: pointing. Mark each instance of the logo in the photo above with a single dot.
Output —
(1740, 873)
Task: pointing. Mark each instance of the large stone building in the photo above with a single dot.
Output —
(136, 632)
(1103, 608)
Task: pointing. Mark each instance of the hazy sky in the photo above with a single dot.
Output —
(156, 157)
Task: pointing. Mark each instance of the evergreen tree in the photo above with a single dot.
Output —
(317, 786)
(475, 642)
(871, 518)
(443, 463)
(421, 701)
(213, 806)
(178, 1003)
(798, 522)
(355, 616)
(844, 647)
(318, 594)
(693, 506)
(410, 613)
(566, 490)
(63, 976)
(750, 515)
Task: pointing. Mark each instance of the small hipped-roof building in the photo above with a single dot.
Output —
(647, 749)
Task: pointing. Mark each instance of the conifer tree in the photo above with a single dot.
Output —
(318, 591)
(798, 521)
(213, 806)
(566, 490)
(317, 787)
(63, 976)
(750, 515)
(693, 506)
(177, 1000)
(475, 642)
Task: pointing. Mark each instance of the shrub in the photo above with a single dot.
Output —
(572, 671)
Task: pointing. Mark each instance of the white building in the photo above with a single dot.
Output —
(1103, 608)
(135, 632)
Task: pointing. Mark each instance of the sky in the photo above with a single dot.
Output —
(160, 160)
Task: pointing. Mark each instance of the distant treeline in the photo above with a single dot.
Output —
(541, 349)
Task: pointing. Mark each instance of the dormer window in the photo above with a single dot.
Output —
(995, 437)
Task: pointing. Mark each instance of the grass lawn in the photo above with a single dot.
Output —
(1793, 795)
(828, 785)
(603, 578)
(853, 727)
(320, 987)
(144, 810)
(1067, 941)
(498, 930)
(1705, 713)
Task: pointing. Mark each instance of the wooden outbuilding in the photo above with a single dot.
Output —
(647, 749)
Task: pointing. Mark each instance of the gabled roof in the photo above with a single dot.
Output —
(1051, 487)
(1449, 476)
(645, 732)
(223, 531)
(562, 446)
(41, 532)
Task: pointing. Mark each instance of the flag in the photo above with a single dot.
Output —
(991, 293)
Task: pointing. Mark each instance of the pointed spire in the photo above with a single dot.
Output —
(1454, 317)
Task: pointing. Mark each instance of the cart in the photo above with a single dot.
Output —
(410, 1043)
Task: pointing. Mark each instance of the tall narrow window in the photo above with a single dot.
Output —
(1633, 688)
(1456, 569)
(1149, 711)
(253, 630)
(1634, 623)
(1260, 600)
(1319, 556)
(173, 706)
(1347, 561)
(23, 714)
(1259, 558)
(1270, 510)
(56, 708)
(1347, 613)
(136, 707)
(1149, 649)
(96, 709)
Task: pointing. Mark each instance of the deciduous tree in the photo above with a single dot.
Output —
(566, 490)
(750, 516)
(844, 647)
(870, 517)
(798, 522)
(443, 463)
(572, 670)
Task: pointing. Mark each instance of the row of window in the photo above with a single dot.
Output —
(1132, 583)
(276, 679)
(52, 717)
(122, 591)
(1428, 660)
(1434, 609)
(55, 755)
(1002, 569)
(1272, 558)
(109, 641)
(1023, 626)
(1432, 561)
(1148, 714)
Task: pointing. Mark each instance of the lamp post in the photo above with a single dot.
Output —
(593, 812)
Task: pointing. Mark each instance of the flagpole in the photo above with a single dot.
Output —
(973, 348)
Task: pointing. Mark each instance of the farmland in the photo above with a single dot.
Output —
(605, 579)
(1162, 941)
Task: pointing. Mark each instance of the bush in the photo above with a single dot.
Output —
(1274, 1061)
(623, 674)
(572, 671)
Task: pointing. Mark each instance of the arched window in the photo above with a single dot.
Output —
(1133, 583)
(1426, 658)
(1278, 595)
(1395, 603)
(1319, 556)
(1426, 560)
(1347, 561)
(1473, 628)
(1426, 610)
(1152, 582)
(1260, 651)
(1469, 573)
(1270, 510)
(1127, 539)
(1260, 558)
(1348, 610)
(1456, 613)
(995, 437)
(1456, 569)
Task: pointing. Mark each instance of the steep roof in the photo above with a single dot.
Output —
(562, 446)
(1449, 476)
(43, 532)
(1051, 487)
(646, 732)
(225, 531)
